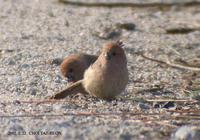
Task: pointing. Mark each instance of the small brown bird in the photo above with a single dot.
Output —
(106, 78)
(74, 66)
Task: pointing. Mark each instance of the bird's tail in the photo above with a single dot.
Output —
(72, 89)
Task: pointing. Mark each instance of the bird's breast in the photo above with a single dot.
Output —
(105, 82)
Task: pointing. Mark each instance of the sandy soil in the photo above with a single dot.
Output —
(35, 34)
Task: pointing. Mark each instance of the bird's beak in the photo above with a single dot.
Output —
(107, 55)
(69, 78)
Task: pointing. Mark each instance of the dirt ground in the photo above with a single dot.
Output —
(162, 45)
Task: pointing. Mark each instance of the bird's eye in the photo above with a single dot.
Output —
(70, 70)
(113, 53)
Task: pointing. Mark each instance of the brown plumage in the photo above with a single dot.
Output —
(74, 66)
(106, 78)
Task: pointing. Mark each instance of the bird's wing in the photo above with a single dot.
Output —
(72, 89)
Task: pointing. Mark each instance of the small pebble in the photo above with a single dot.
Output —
(58, 79)
(156, 105)
(16, 102)
(187, 133)
(18, 79)
(24, 66)
(126, 137)
(169, 105)
(106, 32)
(143, 106)
(7, 51)
(55, 61)
(126, 26)
(10, 62)
(31, 90)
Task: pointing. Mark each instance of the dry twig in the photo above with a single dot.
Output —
(129, 4)
(169, 64)
(172, 100)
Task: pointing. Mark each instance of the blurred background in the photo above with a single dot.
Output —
(162, 45)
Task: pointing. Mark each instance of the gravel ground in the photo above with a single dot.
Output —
(35, 34)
